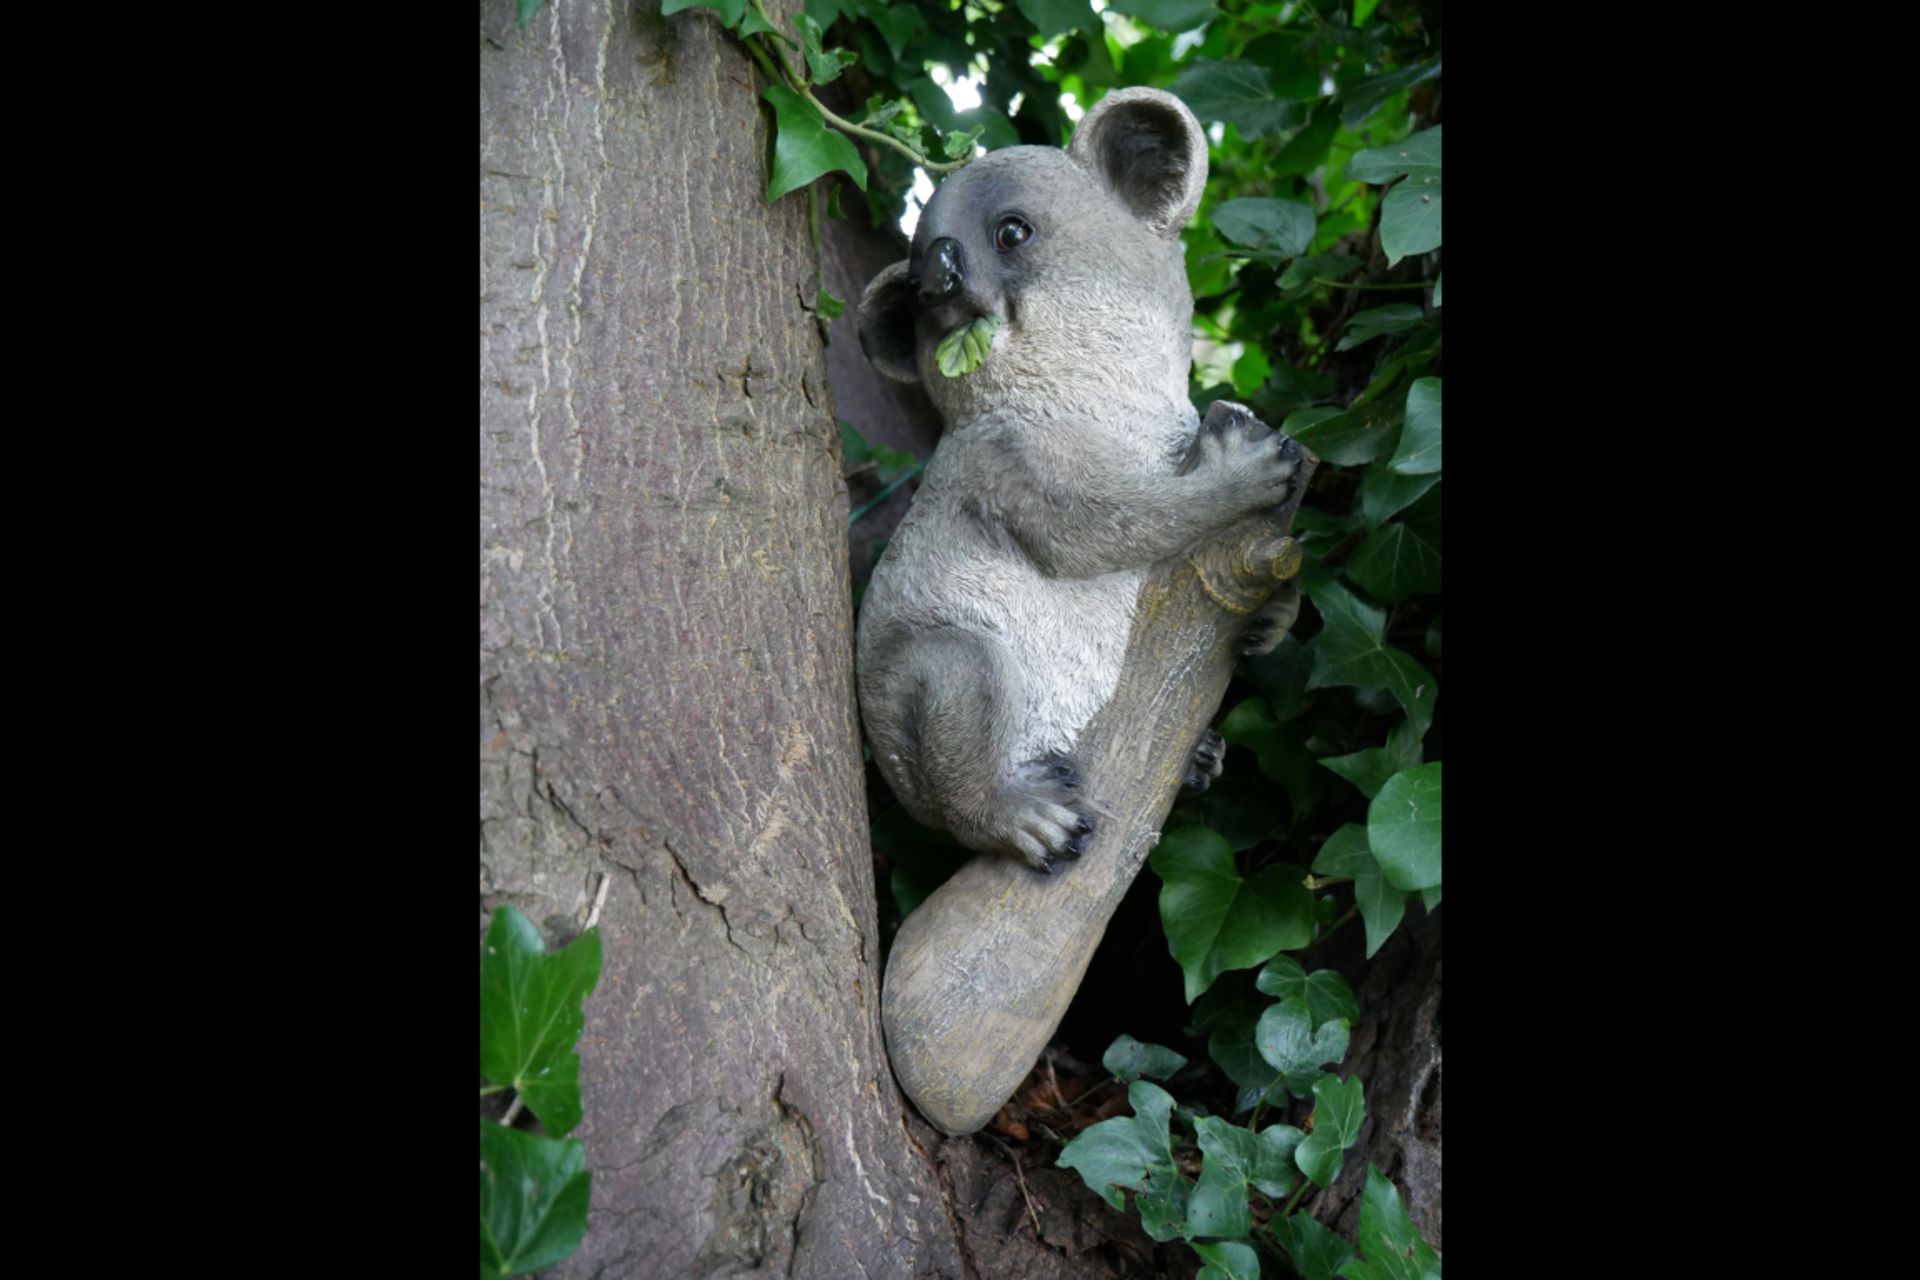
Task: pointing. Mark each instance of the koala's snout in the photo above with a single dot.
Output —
(942, 272)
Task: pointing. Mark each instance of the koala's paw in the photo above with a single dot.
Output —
(1259, 460)
(1044, 825)
(1270, 626)
(1209, 758)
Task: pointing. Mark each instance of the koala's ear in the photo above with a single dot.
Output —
(1150, 151)
(886, 324)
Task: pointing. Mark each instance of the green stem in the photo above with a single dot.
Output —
(494, 1088)
(1294, 1199)
(1352, 911)
(1253, 1125)
(1418, 284)
(882, 496)
(799, 86)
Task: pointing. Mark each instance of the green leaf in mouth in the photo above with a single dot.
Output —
(966, 348)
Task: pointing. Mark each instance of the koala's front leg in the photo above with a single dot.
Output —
(1079, 513)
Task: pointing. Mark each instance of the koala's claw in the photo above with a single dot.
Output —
(1043, 825)
(1209, 758)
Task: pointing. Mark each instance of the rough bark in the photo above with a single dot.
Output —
(666, 657)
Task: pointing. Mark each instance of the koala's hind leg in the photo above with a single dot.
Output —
(1209, 758)
(956, 698)
(1270, 626)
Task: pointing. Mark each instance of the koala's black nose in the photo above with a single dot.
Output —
(942, 271)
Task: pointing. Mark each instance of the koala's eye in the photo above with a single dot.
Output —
(1012, 232)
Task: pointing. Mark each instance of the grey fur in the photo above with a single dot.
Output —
(995, 625)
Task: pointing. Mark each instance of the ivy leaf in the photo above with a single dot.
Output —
(1282, 756)
(1347, 853)
(1350, 651)
(1227, 1015)
(533, 1200)
(730, 11)
(1239, 93)
(825, 64)
(531, 1015)
(1285, 225)
(1136, 1153)
(829, 307)
(1228, 1260)
(1394, 563)
(1300, 273)
(1315, 1252)
(1235, 1157)
(1385, 493)
(1130, 1059)
(1349, 439)
(1362, 99)
(961, 144)
(1410, 219)
(1338, 1110)
(1214, 919)
(527, 8)
(1420, 347)
(1391, 1248)
(1370, 769)
(1370, 324)
(1324, 992)
(1242, 807)
(1403, 828)
(899, 25)
(1419, 451)
(1307, 150)
(1054, 17)
(1170, 16)
(1436, 291)
(752, 24)
(966, 348)
(1287, 1039)
(1417, 156)
(803, 146)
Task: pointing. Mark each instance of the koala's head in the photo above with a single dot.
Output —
(1075, 253)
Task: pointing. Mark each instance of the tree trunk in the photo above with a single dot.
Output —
(666, 657)
(666, 686)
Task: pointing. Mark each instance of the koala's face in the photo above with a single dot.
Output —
(1075, 253)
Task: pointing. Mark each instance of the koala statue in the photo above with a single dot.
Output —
(995, 625)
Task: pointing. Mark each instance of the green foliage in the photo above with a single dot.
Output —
(1315, 266)
(804, 148)
(1403, 827)
(1338, 1109)
(531, 1015)
(1391, 1249)
(533, 1188)
(533, 1200)
(1236, 93)
(966, 348)
(1130, 1059)
(1215, 919)
(1135, 1153)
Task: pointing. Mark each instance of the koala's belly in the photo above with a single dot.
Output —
(1067, 638)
